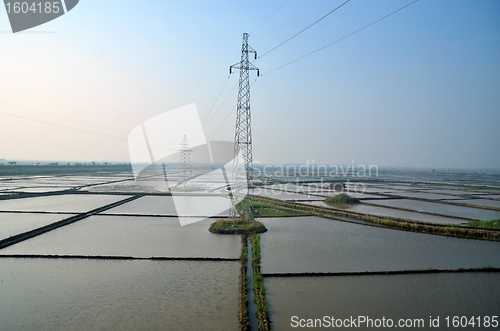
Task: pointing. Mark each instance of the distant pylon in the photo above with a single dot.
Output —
(185, 161)
(242, 162)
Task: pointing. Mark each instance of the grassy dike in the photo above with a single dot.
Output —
(243, 314)
(492, 224)
(258, 286)
(468, 232)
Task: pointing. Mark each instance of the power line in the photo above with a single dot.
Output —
(227, 116)
(211, 108)
(67, 105)
(76, 129)
(70, 119)
(59, 116)
(223, 102)
(336, 41)
(206, 122)
(277, 10)
(295, 35)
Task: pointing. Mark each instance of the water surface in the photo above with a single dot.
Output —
(440, 208)
(164, 205)
(12, 224)
(424, 195)
(391, 296)
(130, 236)
(312, 244)
(382, 211)
(480, 202)
(73, 203)
(118, 295)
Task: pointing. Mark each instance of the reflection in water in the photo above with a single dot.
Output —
(118, 295)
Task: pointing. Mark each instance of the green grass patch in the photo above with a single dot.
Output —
(270, 209)
(491, 224)
(261, 306)
(341, 198)
(238, 227)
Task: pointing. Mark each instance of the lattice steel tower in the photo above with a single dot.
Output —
(243, 163)
(185, 161)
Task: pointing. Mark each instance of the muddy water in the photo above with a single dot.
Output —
(131, 236)
(393, 296)
(311, 244)
(118, 295)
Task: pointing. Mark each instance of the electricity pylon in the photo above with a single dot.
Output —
(185, 161)
(242, 161)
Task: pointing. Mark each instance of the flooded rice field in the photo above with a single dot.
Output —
(12, 224)
(307, 191)
(480, 202)
(41, 294)
(129, 186)
(368, 189)
(311, 244)
(85, 288)
(400, 187)
(287, 196)
(425, 195)
(40, 189)
(452, 192)
(439, 208)
(489, 196)
(382, 211)
(71, 203)
(390, 296)
(130, 236)
(183, 206)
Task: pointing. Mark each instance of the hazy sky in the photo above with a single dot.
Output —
(420, 88)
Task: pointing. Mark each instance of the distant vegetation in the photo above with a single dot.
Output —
(342, 198)
(492, 224)
(55, 168)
